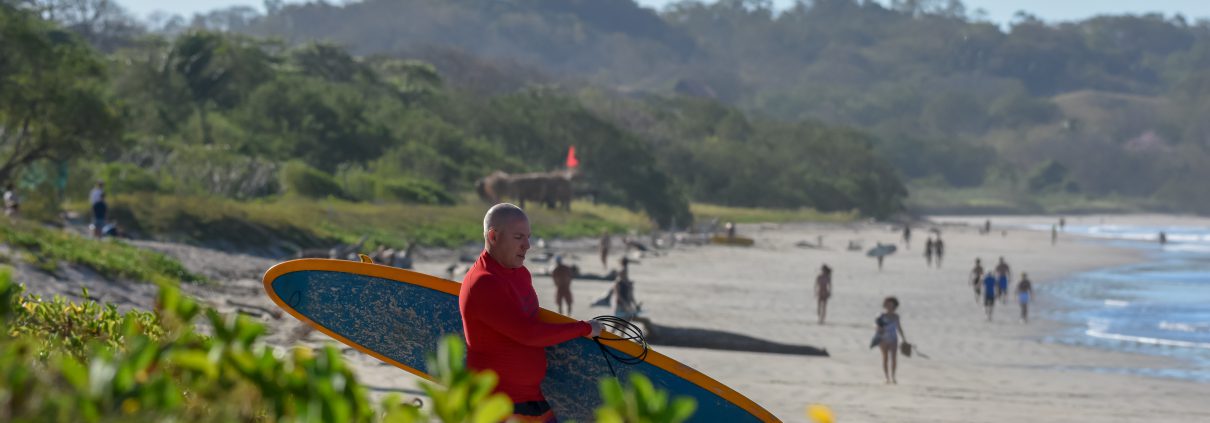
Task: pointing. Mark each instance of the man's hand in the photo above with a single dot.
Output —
(596, 328)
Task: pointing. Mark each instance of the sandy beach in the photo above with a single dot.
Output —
(1001, 371)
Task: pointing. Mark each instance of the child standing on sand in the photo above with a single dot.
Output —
(888, 333)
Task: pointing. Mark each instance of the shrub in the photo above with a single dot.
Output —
(125, 177)
(300, 179)
(83, 362)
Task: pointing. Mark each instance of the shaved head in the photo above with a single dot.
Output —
(506, 234)
(501, 214)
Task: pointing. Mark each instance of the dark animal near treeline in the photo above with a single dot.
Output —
(553, 189)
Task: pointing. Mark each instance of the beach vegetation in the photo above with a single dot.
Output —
(64, 361)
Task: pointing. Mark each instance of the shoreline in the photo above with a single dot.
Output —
(764, 292)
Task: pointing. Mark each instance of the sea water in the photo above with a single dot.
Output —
(1159, 307)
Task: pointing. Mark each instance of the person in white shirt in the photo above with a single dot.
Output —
(97, 198)
(11, 202)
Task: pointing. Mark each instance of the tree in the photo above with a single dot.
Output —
(51, 101)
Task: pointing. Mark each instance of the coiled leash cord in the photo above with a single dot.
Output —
(625, 331)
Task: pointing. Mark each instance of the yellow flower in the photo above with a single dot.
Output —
(130, 406)
(819, 413)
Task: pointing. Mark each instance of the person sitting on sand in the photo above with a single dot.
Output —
(624, 305)
(989, 294)
(562, 277)
(977, 278)
(889, 331)
(1025, 292)
(823, 291)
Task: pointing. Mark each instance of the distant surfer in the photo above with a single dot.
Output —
(1025, 292)
(1002, 276)
(977, 279)
(499, 311)
(888, 333)
(562, 276)
(1163, 238)
(989, 294)
(823, 291)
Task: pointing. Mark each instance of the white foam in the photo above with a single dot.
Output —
(1188, 248)
(1185, 327)
(1116, 303)
(1146, 340)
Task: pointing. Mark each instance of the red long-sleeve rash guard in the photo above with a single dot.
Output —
(500, 319)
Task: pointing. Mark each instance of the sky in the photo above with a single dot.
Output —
(999, 11)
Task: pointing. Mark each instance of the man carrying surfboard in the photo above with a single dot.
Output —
(499, 311)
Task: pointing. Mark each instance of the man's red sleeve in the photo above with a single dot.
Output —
(491, 303)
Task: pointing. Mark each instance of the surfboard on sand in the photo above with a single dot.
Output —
(398, 316)
(738, 241)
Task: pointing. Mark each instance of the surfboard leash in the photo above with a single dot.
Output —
(625, 331)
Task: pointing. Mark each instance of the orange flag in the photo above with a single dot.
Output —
(572, 163)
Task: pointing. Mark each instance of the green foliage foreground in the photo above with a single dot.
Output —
(84, 362)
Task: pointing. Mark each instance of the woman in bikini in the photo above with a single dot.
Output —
(889, 332)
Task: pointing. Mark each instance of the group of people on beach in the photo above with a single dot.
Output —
(993, 285)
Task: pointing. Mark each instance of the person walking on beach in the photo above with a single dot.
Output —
(888, 333)
(987, 226)
(605, 241)
(562, 276)
(499, 310)
(989, 294)
(823, 291)
(939, 250)
(1002, 276)
(929, 247)
(1054, 234)
(907, 237)
(977, 279)
(1025, 292)
(96, 199)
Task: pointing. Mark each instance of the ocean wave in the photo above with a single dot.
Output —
(1185, 327)
(1146, 340)
(1188, 248)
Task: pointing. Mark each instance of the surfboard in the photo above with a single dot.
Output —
(726, 240)
(881, 250)
(398, 316)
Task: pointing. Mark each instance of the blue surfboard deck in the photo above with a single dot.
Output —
(399, 316)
